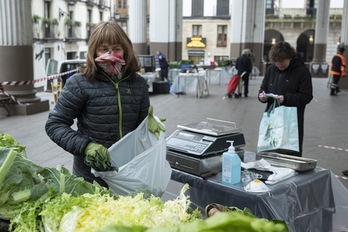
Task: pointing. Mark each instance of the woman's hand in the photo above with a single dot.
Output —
(263, 97)
(281, 98)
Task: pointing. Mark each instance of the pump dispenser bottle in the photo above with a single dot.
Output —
(231, 166)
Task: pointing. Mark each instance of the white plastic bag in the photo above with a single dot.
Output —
(141, 159)
(278, 129)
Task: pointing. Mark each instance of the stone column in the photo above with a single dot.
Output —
(318, 66)
(137, 25)
(344, 42)
(16, 59)
(344, 30)
(247, 28)
(166, 28)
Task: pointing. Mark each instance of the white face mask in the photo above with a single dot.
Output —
(110, 62)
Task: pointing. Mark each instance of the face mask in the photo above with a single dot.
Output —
(110, 62)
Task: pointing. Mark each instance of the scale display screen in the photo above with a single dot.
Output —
(189, 142)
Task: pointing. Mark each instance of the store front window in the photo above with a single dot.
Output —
(196, 56)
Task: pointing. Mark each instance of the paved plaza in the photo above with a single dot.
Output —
(326, 127)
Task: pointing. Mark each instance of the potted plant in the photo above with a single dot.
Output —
(68, 22)
(54, 21)
(90, 24)
(46, 20)
(77, 23)
(36, 19)
(287, 16)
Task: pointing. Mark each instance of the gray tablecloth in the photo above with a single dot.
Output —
(310, 201)
(191, 83)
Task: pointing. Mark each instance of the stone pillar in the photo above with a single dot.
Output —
(344, 29)
(344, 42)
(16, 59)
(137, 25)
(319, 65)
(247, 28)
(166, 28)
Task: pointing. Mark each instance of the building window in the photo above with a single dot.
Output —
(89, 27)
(124, 4)
(221, 58)
(196, 30)
(197, 8)
(270, 7)
(47, 55)
(221, 36)
(47, 7)
(222, 7)
(119, 3)
(100, 16)
(46, 20)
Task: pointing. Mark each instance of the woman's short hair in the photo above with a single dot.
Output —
(281, 51)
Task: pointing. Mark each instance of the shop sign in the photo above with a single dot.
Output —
(196, 42)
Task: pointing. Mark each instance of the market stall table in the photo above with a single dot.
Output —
(307, 202)
(150, 78)
(223, 74)
(190, 83)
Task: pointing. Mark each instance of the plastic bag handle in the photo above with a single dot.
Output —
(274, 105)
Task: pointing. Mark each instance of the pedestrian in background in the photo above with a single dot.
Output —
(163, 63)
(107, 98)
(288, 78)
(244, 67)
(337, 70)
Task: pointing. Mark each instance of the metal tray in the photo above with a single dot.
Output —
(211, 126)
(288, 161)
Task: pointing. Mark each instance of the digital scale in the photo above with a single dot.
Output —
(197, 147)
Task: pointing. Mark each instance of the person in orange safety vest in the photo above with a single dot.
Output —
(338, 66)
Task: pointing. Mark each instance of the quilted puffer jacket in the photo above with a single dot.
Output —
(104, 111)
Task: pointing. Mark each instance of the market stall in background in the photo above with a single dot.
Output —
(271, 185)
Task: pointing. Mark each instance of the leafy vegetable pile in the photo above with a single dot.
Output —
(35, 198)
(221, 222)
(8, 141)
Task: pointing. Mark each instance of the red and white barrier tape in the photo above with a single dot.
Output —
(14, 83)
(51, 77)
(342, 177)
(9, 95)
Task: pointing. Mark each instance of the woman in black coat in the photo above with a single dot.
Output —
(291, 80)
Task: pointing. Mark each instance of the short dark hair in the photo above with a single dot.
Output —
(341, 49)
(281, 51)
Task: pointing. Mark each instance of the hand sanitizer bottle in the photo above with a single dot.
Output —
(231, 166)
